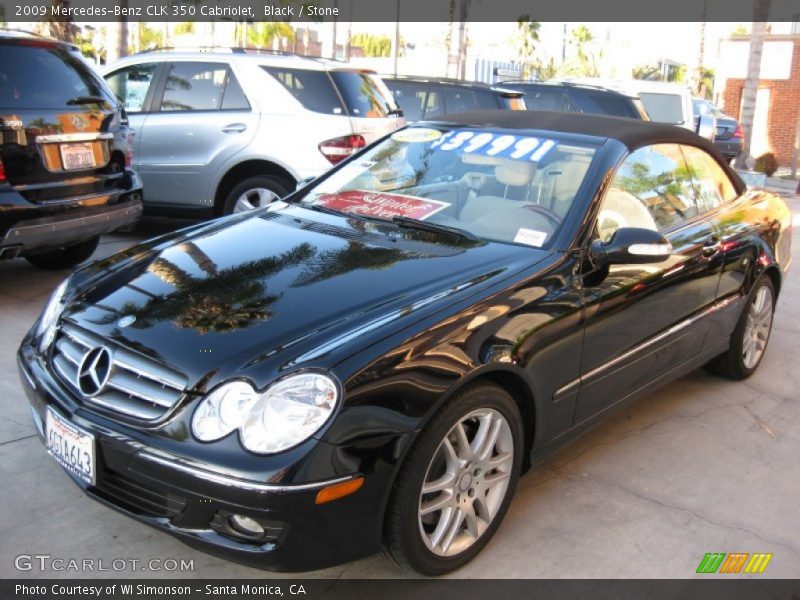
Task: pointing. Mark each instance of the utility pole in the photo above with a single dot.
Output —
(396, 45)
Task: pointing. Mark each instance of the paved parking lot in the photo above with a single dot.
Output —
(703, 465)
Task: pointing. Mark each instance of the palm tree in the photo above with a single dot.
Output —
(224, 300)
(262, 35)
(757, 32)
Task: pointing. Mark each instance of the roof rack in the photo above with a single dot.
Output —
(452, 80)
(31, 33)
(234, 50)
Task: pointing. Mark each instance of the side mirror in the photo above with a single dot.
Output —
(629, 246)
(707, 127)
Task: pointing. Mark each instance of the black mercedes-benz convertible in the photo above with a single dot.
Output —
(373, 361)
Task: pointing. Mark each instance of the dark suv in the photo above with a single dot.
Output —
(65, 151)
(579, 98)
(433, 98)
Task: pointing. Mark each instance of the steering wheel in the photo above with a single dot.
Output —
(546, 212)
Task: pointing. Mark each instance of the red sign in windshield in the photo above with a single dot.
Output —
(381, 205)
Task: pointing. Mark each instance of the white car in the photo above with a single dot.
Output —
(225, 131)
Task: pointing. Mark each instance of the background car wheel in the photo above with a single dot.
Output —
(457, 481)
(62, 258)
(749, 339)
(255, 192)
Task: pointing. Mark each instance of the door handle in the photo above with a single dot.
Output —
(712, 246)
(234, 128)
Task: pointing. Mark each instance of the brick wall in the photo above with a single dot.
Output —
(784, 107)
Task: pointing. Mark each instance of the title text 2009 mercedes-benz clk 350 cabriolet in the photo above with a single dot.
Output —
(374, 360)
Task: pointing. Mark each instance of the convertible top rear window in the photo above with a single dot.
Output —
(498, 185)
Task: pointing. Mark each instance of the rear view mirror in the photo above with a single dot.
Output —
(706, 127)
(631, 245)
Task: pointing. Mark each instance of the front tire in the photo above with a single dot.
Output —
(457, 481)
(749, 339)
(255, 192)
(66, 257)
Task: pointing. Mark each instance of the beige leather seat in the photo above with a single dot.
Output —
(557, 185)
(514, 173)
(622, 209)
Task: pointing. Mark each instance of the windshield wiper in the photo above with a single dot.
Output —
(86, 100)
(434, 227)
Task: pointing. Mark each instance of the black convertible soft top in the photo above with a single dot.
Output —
(633, 133)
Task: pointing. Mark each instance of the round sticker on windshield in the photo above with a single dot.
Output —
(417, 134)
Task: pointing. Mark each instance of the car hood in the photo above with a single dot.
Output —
(252, 296)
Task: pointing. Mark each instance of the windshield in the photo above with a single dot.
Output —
(663, 108)
(364, 94)
(45, 76)
(496, 185)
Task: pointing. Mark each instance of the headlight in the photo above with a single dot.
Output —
(52, 310)
(285, 414)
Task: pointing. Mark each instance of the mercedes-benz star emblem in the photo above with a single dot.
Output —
(94, 371)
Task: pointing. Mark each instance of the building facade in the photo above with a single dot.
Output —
(775, 126)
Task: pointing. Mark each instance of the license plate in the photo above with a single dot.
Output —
(72, 447)
(77, 156)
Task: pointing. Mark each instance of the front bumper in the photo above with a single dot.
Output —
(193, 502)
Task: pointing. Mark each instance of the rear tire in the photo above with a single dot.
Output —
(749, 339)
(65, 257)
(469, 484)
(255, 192)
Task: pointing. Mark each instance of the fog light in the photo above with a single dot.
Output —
(246, 526)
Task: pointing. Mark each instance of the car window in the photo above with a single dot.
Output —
(313, 89)
(612, 104)
(712, 185)
(45, 76)
(194, 86)
(510, 102)
(234, 98)
(131, 84)
(410, 96)
(487, 99)
(364, 94)
(663, 108)
(458, 100)
(652, 189)
(500, 185)
(555, 100)
(434, 104)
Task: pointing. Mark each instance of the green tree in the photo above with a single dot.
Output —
(184, 28)
(150, 38)
(262, 35)
(86, 40)
(527, 41)
(373, 45)
(586, 62)
(646, 72)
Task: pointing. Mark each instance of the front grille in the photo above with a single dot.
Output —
(138, 497)
(137, 387)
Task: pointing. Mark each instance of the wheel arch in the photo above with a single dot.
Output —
(248, 168)
(513, 380)
(773, 271)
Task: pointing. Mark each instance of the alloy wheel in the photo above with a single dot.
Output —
(466, 482)
(254, 198)
(757, 327)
